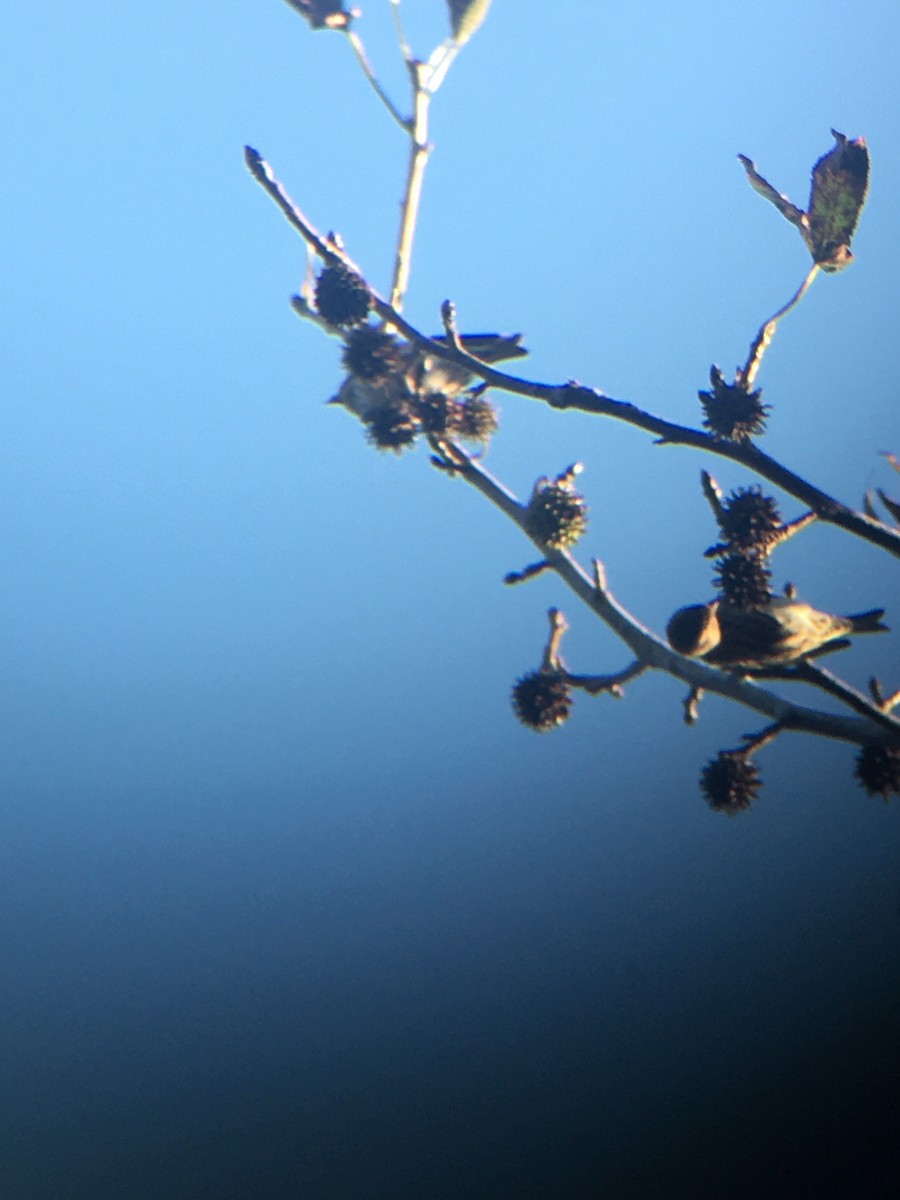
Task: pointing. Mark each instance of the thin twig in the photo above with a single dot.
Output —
(767, 330)
(448, 320)
(810, 672)
(757, 741)
(419, 151)
(884, 703)
(405, 51)
(355, 41)
(691, 705)
(552, 654)
(651, 652)
(714, 496)
(529, 572)
(265, 177)
(595, 684)
(304, 309)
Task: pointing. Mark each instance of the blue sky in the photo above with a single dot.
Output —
(284, 882)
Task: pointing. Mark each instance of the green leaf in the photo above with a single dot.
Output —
(466, 17)
(840, 180)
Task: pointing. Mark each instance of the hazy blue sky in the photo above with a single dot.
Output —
(291, 904)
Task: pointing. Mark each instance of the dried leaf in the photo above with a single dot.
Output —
(466, 17)
(790, 211)
(840, 180)
(324, 14)
(869, 507)
(892, 459)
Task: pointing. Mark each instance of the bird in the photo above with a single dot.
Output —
(782, 632)
(419, 373)
(449, 378)
(694, 630)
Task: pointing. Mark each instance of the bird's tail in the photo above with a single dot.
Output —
(869, 622)
(491, 347)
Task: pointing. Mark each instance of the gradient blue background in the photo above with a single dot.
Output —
(291, 906)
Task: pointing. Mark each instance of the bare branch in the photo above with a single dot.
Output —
(419, 152)
(552, 655)
(714, 496)
(692, 706)
(812, 673)
(652, 652)
(767, 330)
(594, 685)
(756, 741)
(576, 396)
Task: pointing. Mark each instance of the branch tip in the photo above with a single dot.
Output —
(691, 705)
(599, 577)
(448, 319)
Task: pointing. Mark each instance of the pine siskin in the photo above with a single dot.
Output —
(782, 632)
(694, 630)
(419, 373)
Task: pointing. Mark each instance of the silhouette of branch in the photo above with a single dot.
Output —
(650, 651)
(419, 152)
(573, 395)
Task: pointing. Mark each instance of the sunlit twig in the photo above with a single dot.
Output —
(767, 331)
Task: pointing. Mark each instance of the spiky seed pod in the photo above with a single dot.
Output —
(342, 298)
(878, 770)
(542, 700)
(730, 782)
(437, 412)
(478, 420)
(557, 514)
(750, 520)
(392, 427)
(743, 580)
(732, 411)
(471, 419)
(372, 354)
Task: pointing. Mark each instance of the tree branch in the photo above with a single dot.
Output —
(419, 152)
(362, 58)
(651, 651)
(767, 330)
(576, 396)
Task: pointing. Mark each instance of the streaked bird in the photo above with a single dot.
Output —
(441, 375)
(420, 374)
(783, 632)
